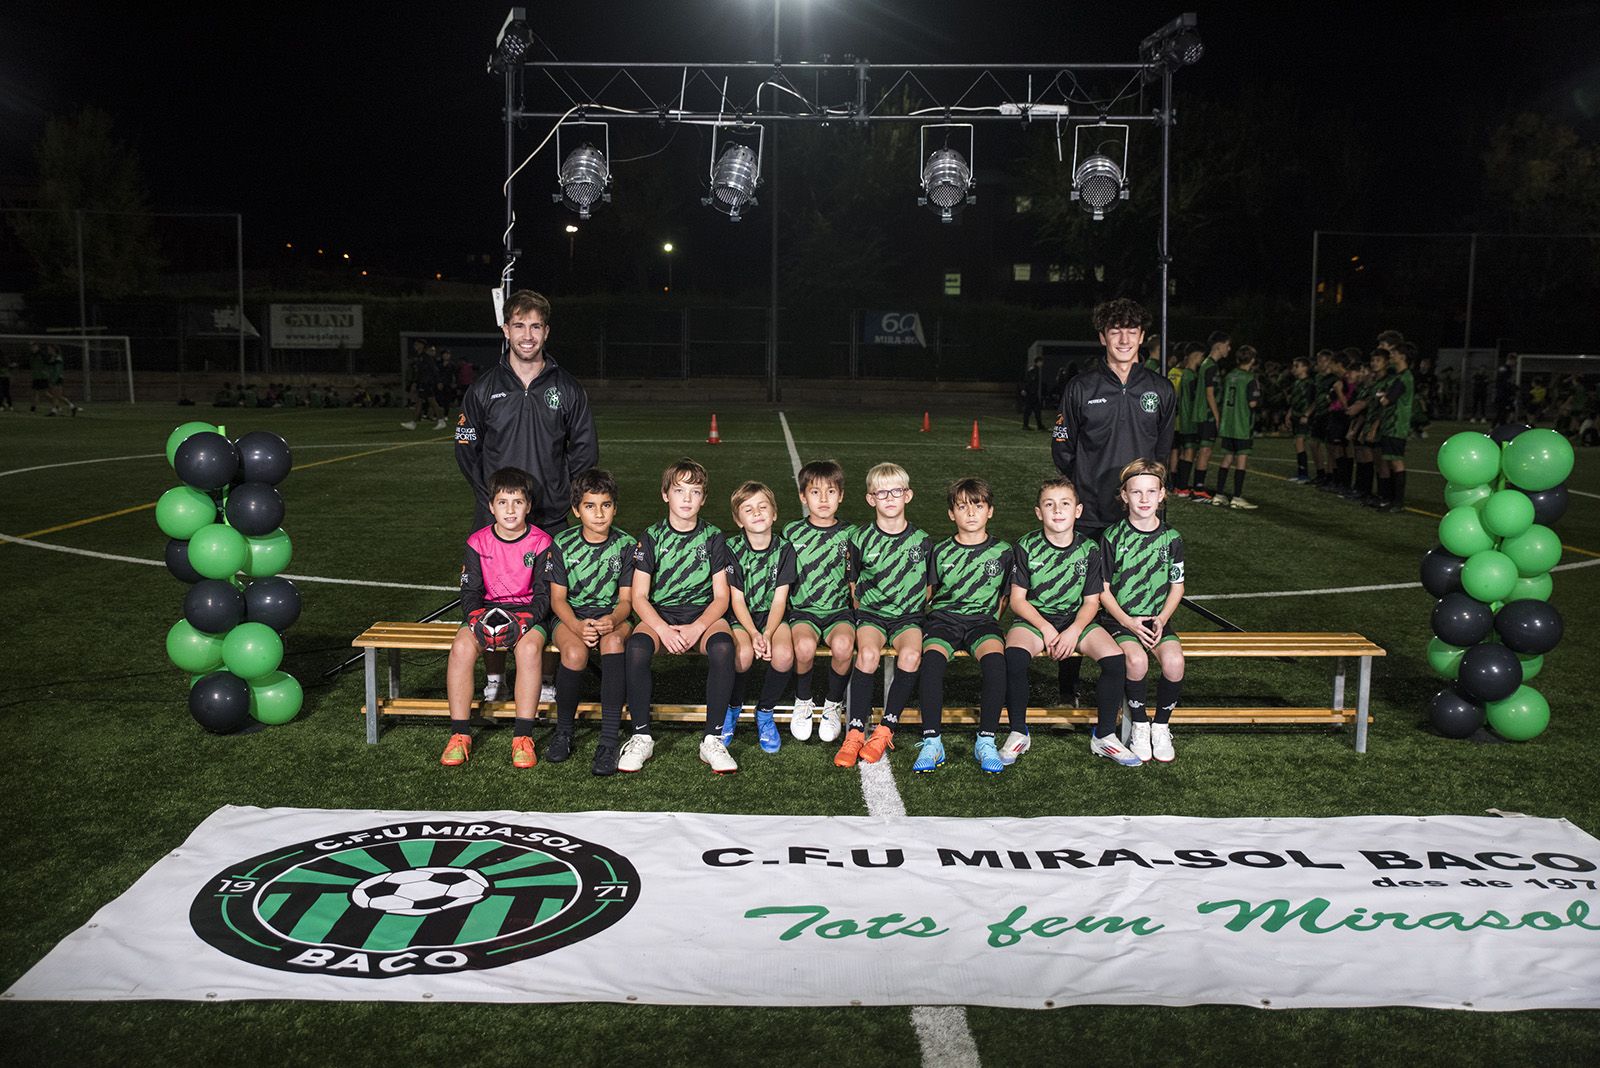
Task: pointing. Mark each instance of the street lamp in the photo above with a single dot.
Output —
(667, 248)
(572, 243)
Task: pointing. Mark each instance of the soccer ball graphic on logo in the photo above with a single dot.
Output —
(421, 891)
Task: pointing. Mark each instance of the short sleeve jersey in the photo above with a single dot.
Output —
(592, 572)
(1141, 566)
(760, 573)
(1188, 420)
(1322, 393)
(499, 571)
(1207, 380)
(1056, 578)
(681, 564)
(822, 556)
(890, 571)
(1302, 396)
(1239, 389)
(968, 580)
(1401, 389)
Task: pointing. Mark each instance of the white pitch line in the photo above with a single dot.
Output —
(1350, 589)
(1418, 471)
(942, 1032)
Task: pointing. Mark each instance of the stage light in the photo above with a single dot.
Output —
(735, 175)
(1177, 44)
(584, 174)
(1099, 182)
(946, 176)
(512, 43)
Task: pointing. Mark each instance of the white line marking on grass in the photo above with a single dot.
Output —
(1350, 589)
(942, 1030)
(1414, 471)
(162, 455)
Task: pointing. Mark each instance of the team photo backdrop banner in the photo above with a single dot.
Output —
(699, 909)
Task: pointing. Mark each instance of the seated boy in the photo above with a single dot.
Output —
(889, 583)
(505, 598)
(591, 599)
(1143, 562)
(819, 604)
(680, 594)
(967, 574)
(1055, 597)
(762, 574)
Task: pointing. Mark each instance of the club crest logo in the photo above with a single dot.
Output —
(991, 568)
(529, 558)
(414, 899)
(916, 554)
(552, 398)
(1149, 401)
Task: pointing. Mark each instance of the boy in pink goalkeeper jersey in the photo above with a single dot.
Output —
(505, 597)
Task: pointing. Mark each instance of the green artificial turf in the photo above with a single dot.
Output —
(106, 772)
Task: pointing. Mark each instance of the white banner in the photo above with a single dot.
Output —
(692, 909)
(316, 326)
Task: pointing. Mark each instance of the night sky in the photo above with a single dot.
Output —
(374, 128)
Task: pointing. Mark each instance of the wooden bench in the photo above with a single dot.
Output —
(396, 638)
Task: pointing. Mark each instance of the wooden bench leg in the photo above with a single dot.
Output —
(1363, 691)
(371, 659)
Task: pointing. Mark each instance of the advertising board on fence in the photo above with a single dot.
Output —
(892, 328)
(316, 326)
(705, 909)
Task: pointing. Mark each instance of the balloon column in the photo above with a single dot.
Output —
(223, 520)
(1493, 622)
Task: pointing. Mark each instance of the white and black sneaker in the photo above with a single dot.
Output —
(491, 688)
(831, 724)
(715, 754)
(800, 720)
(635, 751)
(1139, 741)
(1161, 743)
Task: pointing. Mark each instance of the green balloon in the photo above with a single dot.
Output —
(1534, 551)
(1538, 459)
(1444, 658)
(1531, 666)
(269, 554)
(179, 434)
(1489, 576)
(1532, 588)
(252, 650)
(182, 510)
(1457, 496)
(1523, 715)
(1469, 458)
(1507, 513)
(275, 697)
(1460, 531)
(217, 551)
(192, 650)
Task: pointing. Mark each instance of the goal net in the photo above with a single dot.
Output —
(94, 368)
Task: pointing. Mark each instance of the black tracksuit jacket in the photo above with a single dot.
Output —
(1103, 424)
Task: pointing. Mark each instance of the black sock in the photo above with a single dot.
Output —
(1397, 489)
(1181, 480)
(567, 684)
(459, 726)
(1199, 478)
(1364, 477)
(1133, 692)
(837, 683)
(1108, 692)
(736, 695)
(522, 727)
(1384, 487)
(899, 693)
(860, 699)
(772, 687)
(930, 678)
(1017, 663)
(993, 694)
(1167, 693)
(1238, 482)
(802, 685)
(638, 650)
(613, 693)
(1067, 672)
(1300, 465)
(719, 680)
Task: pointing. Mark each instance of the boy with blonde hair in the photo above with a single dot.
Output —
(761, 574)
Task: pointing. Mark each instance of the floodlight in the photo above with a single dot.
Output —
(946, 175)
(735, 175)
(1099, 182)
(512, 43)
(585, 174)
(1177, 44)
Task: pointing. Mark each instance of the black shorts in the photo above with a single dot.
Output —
(1182, 440)
(1238, 446)
(758, 616)
(1392, 448)
(890, 626)
(1338, 431)
(1060, 623)
(821, 624)
(1123, 634)
(41, 383)
(679, 615)
(1207, 432)
(952, 632)
(1319, 427)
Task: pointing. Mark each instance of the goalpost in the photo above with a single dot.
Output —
(104, 362)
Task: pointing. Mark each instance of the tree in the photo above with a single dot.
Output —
(83, 168)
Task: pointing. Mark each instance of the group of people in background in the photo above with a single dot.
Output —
(436, 384)
(47, 376)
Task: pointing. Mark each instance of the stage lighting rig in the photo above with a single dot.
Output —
(1099, 182)
(735, 175)
(513, 42)
(584, 174)
(946, 175)
(1177, 44)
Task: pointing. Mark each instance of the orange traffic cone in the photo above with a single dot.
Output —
(714, 438)
(926, 425)
(974, 443)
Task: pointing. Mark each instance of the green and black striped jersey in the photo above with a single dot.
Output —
(592, 573)
(1056, 579)
(1322, 396)
(1303, 396)
(1401, 390)
(760, 573)
(822, 555)
(1188, 420)
(968, 580)
(890, 571)
(1141, 566)
(1239, 389)
(681, 563)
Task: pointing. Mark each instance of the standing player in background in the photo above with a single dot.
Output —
(1188, 436)
(1302, 398)
(1208, 408)
(1033, 389)
(1395, 401)
(1241, 396)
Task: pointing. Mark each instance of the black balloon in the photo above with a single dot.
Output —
(220, 702)
(264, 457)
(1462, 620)
(273, 601)
(1549, 505)
(1441, 571)
(1489, 673)
(178, 561)
(254, 509)
(1454, 715)
(206, 461)
(1506, 431)
(1529, 626)
(214, 606)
